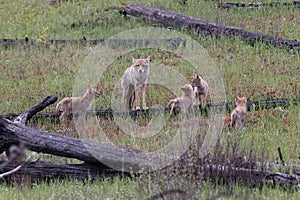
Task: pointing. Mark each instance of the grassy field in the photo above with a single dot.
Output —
(30, 73)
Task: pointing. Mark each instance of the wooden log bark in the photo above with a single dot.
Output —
(205, 27)
(225, 5)
(173, 42)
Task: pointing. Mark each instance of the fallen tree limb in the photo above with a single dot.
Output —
(28, 114)
(295, 3)
(194, 25)
(173, 42)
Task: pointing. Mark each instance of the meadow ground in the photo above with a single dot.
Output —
(30, 73)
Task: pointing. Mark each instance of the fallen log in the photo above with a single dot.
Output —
(125, 43)
(229, 106)
(121, 158)
(295, 3)
(88, 151)
(205, 27)
(46, 171)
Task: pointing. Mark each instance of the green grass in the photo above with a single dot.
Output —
(28, 74)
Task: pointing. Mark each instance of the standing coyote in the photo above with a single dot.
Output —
(238, 115)
(200, 88)
(185, 102)
(76, 104)
(133, 81)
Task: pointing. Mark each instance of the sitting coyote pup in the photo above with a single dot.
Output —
(185, 102)
(238, 115)
(76, 104)
(200, 88)
(133, 81)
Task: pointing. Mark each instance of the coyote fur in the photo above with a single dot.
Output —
(200, 87)
(76, 104)
(185, 102)
(134, 81)
(238, 115)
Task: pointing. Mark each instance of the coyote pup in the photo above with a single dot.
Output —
(133, 81)
(200, 88)
(238, 115)
(185, 102)
(76, 104)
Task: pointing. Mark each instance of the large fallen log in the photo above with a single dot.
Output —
(295, 3)
(59, 145)
(205, 27)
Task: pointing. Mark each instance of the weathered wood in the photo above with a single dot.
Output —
(46, 171)
(225, 5)
(205, 27)
(59, 145)
(28, 114)
(173, 42)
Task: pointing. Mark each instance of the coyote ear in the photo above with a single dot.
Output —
(194, 75)
(148, 59)
(133, 60)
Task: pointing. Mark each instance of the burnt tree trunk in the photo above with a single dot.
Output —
(171, 19)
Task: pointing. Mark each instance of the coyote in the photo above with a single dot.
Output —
(185, 102)
(133, 81)
(238, 115)
(76, 104)
(200, 87)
